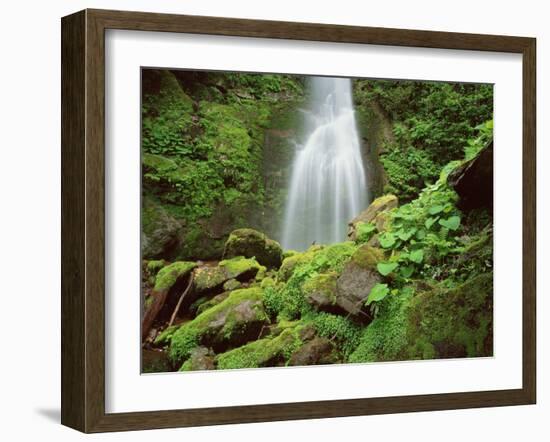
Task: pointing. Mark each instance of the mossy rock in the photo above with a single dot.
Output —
(293, 261)
(382, 204)
(318, 351)
(367, 257)
(267, 352)
(167, 276)
(235, 321)
(453, 323)
(355, 282)
(253, 244)
(231, 284)
(165, 336)
(160, 231)
(435, 323)
(320, 291)
(155, 265)
(209, 279)
(209, 303)
(201, 358)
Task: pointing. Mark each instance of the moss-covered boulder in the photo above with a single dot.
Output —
(357, 279)
(170, 281)
(235, 321)
(320, 291)
(453, 323)
(318, 351)
(253, 244)
(210, 302)
(160, 231)
(267, 352)
(209, 279)
(435, 322)
(170, 274)
(381, 204)
(296, 259)
(201, 358)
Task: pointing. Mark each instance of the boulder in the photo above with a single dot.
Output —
(358, 277)
(234, 321)
(201, 358)
(253, 244)
(320, 291)
(170, 281)
(317, 351)
(160, 232)
(211, 279)
(209, 303)
(380, 205)
(267, 352)
(473, 181)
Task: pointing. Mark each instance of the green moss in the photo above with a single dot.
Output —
(339, 329)
(211, 278)
(367, 257)
(165, 336)
(222, 323)
(168, 275)
(453, 322)
(264, 352)
(240, 265)
(321, 289)
(385, 339)
(154, 266)
(287, 300)
(231, 284)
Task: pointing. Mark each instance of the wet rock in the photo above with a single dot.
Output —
(473, 181)
(253, 244)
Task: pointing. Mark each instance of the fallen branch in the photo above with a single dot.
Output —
(178, 305)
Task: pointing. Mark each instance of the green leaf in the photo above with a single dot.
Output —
(434, 210)
(377, 293)
(385, 268)
(430, 222)
(451, 223)
(417, 256)
(387, 240)
(365, 231)
(405, 235)
(421, 234)
(407, 271)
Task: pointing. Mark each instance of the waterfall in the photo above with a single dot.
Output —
(328, 186)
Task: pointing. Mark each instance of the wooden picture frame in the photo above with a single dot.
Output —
(83, 220)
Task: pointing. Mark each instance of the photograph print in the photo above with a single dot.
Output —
(308, 220)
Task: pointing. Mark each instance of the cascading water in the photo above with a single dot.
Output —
(328, 186)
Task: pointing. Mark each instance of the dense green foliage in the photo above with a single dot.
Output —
(431, 124)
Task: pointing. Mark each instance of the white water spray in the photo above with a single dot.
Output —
(328, 186)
